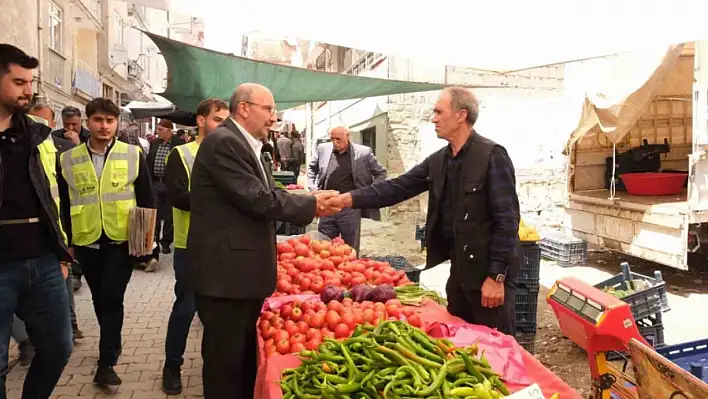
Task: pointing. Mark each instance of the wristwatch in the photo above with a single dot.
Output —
(499, 278)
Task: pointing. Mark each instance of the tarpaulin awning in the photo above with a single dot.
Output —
(617, 90)
(498, 35)
(195, 73)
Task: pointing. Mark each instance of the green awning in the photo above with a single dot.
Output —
(195, 73)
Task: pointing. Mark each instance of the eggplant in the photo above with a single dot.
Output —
(383, 293)
(330, 293)
(361, 293)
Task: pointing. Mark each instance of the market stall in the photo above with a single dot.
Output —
(327, 298)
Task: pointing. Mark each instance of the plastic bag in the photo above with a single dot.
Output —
(276, 302)
(314, 235)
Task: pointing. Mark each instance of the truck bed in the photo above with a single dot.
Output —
(648, 227)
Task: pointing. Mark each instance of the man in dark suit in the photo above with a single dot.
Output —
(231, 243)
(473, 212)
(344, 166)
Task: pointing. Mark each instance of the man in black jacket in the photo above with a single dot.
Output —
(473, 212)
(32, 242)
(72, 129)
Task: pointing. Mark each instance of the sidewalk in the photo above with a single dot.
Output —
(148, 302)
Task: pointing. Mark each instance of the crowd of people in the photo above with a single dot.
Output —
(66, 196)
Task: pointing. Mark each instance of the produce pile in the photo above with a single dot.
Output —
(528, 233)
(391, 360)
(299, 325)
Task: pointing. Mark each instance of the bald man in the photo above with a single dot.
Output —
(344, 166)
(231, 259)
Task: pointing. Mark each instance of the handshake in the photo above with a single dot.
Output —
(330, 202)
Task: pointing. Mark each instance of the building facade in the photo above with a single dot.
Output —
(524, 113)
(93, 48)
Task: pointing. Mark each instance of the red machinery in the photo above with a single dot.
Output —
(595, 321)
(599, 323)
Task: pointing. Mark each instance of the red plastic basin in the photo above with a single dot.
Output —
(654, 183)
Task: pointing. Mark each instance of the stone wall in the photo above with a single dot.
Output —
(19, 24)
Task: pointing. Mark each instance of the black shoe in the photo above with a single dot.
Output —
(26, 352)
(172, 381)
(78, 334)
(77, 283)
(166, 248)
(106, 377)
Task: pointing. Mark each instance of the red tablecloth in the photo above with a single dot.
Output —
(518, 367)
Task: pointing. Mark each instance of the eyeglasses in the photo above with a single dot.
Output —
(268, 108)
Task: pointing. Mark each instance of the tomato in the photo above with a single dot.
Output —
(415, 320)
(357, 280)
(281, 335)
(269, 333)
(341, 331)
(302, 327)
(334, 305)
(297, 338)
(332, 319)
(277, 323)
(327, 334)
(286, 311)
(284, 286)
(305, 239)
(368, 316)
(377, 306)
(316, 245)
(283, 346)
(407, 310)
(336, 259)
(313, 334)
(284, 247)
(305, 283)
(393, 310)
(263, 325)
(347, 302)
(296, 314)
(321, 306)
(327, 264)
(358, 317)
(267, 315)
(324, 254)
(378, 316)
(348, 319)
(271, 351)
(312, 344)
(317, 286)
(347, 279)
(290, 327)
(317, 320)
(302, 250)
(286, 256)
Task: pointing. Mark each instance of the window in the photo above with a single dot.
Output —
(368, 138)
(107, 91)
(118, 30)
(57, 115)
(55, 27)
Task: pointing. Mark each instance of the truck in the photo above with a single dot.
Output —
(658, 124)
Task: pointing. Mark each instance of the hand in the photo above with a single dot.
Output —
(65, 269)
(323, 206)
(492, 293)
(72, 136)
(341, 201)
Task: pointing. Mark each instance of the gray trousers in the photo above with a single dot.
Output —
(19, 331)
(346, 223)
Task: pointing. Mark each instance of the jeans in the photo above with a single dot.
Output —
(182, 314)
(19, 330)
(107, 271)
(35, 290)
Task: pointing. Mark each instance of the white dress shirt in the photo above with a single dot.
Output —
(256, 146)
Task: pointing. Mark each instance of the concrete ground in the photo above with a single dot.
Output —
(148, 302)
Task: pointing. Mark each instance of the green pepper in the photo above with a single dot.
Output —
(412, 356)
(392, 354)
(348, 388)
(499, 385)
(422, 351)
(487, 372)
(481, 392)
(446, 388)
(358, 331)
(417, 381)
(463, 391)
(427, 343)
(333, 378)
(435, 385)
(298, 393)
(351, 368)
(467, 380)
(289, 395)
(393, 384)
(470, 366)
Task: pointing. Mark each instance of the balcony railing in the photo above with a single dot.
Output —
(94, 7)
(86, 80)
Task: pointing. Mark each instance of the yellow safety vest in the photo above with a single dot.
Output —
(187, 152)
(48, 158)
(105, 205)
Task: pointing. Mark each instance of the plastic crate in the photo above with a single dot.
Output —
(644, 303)
(399, 263)
(289, 229)
(567, 251)
(530, 271)
(285, 177)
(690, 356)
(652, 329)
(526, 340)
(526, 310)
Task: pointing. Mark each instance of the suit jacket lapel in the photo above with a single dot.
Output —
(354, 158)
(240, 136)
(326, 159)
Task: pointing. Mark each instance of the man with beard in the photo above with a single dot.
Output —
(105, 179)
(32, 241)
(210, 114)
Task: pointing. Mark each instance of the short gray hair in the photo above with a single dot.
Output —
(241, 94)
(461, 98)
